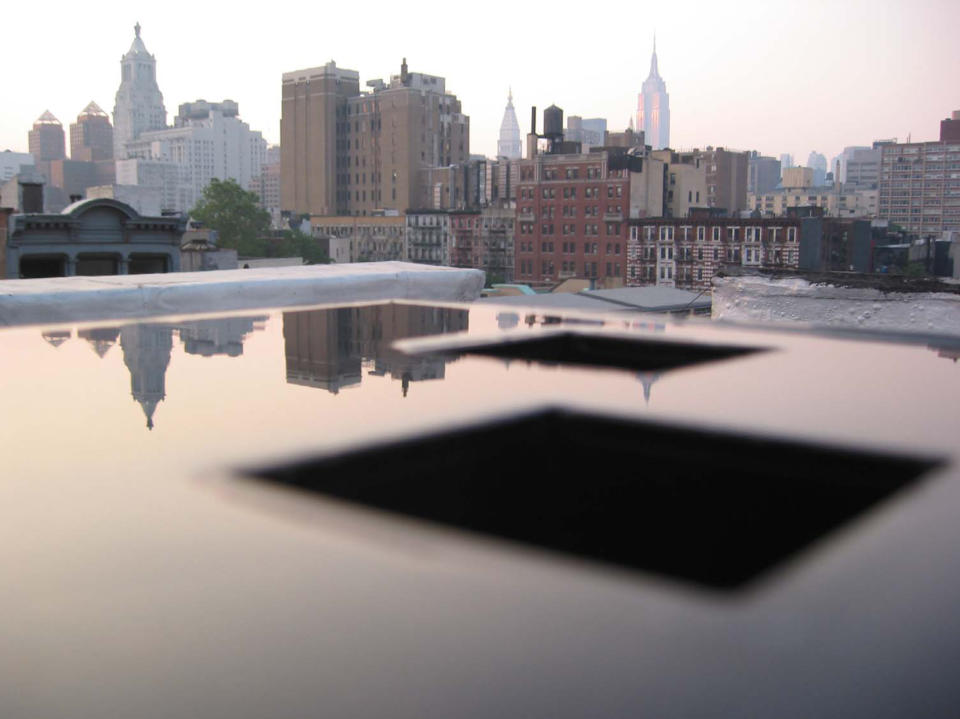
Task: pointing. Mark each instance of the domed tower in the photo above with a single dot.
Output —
(509, 145)
(139, 102)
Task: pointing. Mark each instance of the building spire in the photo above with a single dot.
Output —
(136, 30)
(654, 72)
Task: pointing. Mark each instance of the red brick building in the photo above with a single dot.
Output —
(572, 213)
(484, 240)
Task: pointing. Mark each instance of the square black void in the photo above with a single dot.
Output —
(711, 508)
(644, 354)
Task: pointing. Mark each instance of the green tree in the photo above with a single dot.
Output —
(294, 243)
(234, 213)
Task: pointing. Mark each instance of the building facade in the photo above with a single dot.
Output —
(369, 239)
(687, 253)
(138, 106)
(572, 212)
(11, 162)
(427, 236)
(763, 173)
(267, 184)
(208, 141)
(685, 182)
(817, 161)
(92, 237)
(920, 183)
(347, 153)
(653, 107)
(484, 240)
(589, 132)
(727, 172)
(836, 201)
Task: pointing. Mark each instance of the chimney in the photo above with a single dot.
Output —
(31, 197)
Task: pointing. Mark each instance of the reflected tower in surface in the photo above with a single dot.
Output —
(146, 353)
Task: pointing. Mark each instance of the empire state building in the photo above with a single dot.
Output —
(653, 107)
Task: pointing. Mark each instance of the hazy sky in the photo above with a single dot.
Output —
(748, 75)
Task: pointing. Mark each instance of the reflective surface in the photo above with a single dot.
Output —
(147, 577)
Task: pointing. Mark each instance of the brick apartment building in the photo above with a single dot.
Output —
(687, 252)
(484, 240)
(572, 212)
(347, 152)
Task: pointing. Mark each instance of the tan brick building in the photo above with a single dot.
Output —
(344, 152)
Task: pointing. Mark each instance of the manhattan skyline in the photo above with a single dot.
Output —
(739, 76)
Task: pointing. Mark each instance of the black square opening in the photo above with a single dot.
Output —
(711, 508)
(645, 354)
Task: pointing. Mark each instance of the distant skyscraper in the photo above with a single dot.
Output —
(91, 136)
(509, 145)
(786, 161)
(139, 102)
(590, 132)
(653, 107)
(46, 139)
(818, 163)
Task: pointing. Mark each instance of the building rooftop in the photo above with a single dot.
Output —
(47, 118)
(398, 508)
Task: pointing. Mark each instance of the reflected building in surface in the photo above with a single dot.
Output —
(146, 353)
(329, 348)
(147, 349)
(209, 338)
(101, 339)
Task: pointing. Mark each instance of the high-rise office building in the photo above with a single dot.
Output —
(919, 187)
(763, 173)
(208, 141)
(509, 144)
(589, 132)
(46, 139)
(347, 152)
(653, 107)
(139, 102)
(91, 136)
(818, 162)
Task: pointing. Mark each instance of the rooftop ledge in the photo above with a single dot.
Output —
(66, 299)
